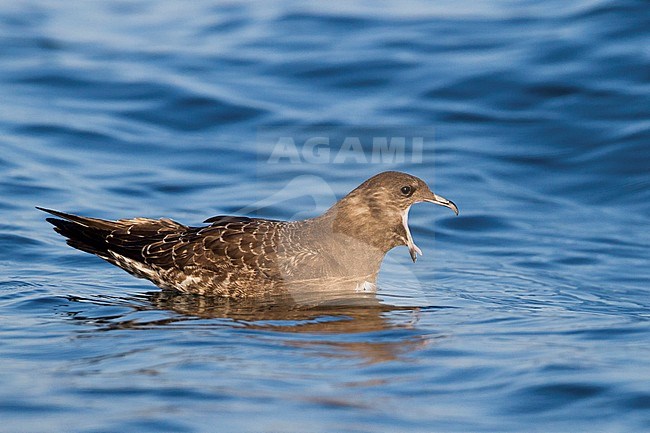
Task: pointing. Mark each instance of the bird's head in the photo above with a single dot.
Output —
(377, 210)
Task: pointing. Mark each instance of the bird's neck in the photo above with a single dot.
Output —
(356, 236)
(370, 223)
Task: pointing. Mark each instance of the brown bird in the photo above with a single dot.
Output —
(250, 257)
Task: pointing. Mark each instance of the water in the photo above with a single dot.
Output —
(528, 312)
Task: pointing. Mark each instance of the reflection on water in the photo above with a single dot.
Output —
(278, 315)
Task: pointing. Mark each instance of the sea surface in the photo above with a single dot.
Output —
(529, 312)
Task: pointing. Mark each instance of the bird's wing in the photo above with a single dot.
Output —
(247, 245)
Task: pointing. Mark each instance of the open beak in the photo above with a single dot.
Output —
(432, 198)
(413, 249)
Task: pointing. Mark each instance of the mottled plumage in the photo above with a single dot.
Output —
(248, 257)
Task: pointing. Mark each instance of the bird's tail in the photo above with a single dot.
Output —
(85, 234)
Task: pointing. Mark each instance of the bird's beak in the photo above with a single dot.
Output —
(436, 199)
(431, 198)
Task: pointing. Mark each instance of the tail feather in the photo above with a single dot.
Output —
(83, 236)
(106, 238)
(91, 235)
(84, 221)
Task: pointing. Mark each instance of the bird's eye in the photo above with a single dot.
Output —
(406, 191)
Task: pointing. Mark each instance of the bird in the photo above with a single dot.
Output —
(244, 257)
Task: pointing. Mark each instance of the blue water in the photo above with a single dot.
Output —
(530, 312)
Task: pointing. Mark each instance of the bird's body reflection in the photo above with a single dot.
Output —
(359, 315)
(353, 327)
(363, 314)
